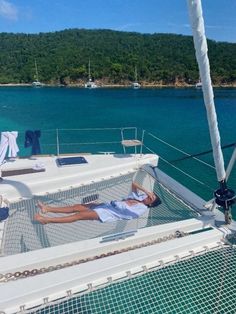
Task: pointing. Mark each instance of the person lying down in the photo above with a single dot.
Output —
(133, 206)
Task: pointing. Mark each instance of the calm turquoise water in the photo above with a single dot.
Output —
(175, 115)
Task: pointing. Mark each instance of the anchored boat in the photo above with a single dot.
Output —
(136, 84)
(90, 84)
(198, 84)
(174, 258)
(36, 83)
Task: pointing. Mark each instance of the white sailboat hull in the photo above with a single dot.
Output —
(90, 85)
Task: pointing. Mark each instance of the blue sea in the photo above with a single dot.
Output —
(177, 116)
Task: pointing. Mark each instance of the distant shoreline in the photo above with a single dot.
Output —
(114, 85)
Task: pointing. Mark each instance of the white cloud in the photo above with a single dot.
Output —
(178, 25)
(127, 26)
(220, 27)
(8, 10)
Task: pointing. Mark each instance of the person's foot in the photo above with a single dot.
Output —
(40, 218)
(44, 208)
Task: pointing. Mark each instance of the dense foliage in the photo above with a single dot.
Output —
(62, 57)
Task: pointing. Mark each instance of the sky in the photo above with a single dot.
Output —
(143, 16)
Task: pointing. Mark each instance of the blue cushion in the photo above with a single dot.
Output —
(4, 213)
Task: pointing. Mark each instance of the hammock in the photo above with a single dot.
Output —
(22, 234)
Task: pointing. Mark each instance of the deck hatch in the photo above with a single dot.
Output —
(67, 161)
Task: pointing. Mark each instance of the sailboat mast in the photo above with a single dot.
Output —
(135, 74)
(89, 70)
(224, 196)
(36, 70)
(200, 45)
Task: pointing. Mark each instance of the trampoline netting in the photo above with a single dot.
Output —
(201, 284)
(23, 234)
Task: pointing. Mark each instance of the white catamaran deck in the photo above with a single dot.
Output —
(57, 260)
(174, 258)
(57, 177)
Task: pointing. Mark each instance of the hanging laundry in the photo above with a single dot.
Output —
(13, 147)
(8, 140)
(32, 140)
(3, 146)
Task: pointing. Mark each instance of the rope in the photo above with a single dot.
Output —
(183, 172)
(181, 151)
(85, 129)
(204, 153)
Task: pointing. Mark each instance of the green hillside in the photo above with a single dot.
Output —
(62, 57)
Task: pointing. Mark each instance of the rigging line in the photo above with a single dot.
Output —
(85, 129)
(181, 151)
(203, 153)
(183, 172)
(86, 143)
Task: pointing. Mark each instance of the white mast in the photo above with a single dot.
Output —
(36, 70)
(136, 74)
(200, 44)
(223, 196)
(89, 71)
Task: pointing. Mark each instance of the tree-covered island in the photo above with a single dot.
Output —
(62, 58)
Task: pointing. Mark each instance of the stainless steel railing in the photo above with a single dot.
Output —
(89, 140)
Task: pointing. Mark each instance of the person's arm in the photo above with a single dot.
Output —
(136, 187)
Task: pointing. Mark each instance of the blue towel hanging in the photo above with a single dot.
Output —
(32, 140)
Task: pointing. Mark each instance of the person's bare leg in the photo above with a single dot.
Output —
(85, 215)
(67, 209)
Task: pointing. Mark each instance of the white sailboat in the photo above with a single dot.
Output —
(174, 258)
(90, 84)
(198, 84)
(36, 83)
(135, 84)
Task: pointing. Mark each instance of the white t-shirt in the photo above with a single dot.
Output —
(117, 210)
(126, 211)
